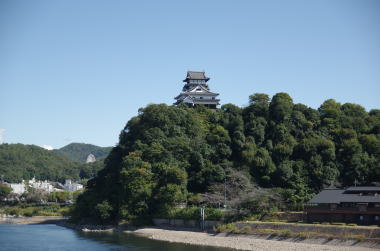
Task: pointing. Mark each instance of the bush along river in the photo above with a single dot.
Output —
(53, 237)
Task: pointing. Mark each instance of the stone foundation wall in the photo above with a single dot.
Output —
(292, 217)
(368, 232)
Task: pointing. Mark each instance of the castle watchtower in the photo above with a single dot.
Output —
(196, 91)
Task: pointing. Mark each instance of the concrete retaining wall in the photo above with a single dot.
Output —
(184, 223)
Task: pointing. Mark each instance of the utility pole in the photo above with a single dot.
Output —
(225, 193)
(202, 218)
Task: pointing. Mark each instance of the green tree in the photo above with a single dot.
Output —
(5, 191)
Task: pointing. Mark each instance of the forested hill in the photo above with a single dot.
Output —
(18, 161)
(170, 154)
(80, 151)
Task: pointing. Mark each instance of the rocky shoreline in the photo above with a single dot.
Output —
(196, 237)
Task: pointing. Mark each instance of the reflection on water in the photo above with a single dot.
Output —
(52, 237)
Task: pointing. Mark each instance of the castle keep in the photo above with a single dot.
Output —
(196, 91)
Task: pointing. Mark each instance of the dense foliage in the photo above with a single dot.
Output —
(168, 154)
(18, 161)
(80, 151)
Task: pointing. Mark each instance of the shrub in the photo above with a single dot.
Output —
(12, 211)
(192, 213)
(304, 235)
(338, 223)
(228, 228)
(358, 237)
(352, 224)
(30, 211)
(265, 231)
(246, 229)
(286, 233)
(213, 214)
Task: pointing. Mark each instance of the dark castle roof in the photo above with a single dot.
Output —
(351, 194)
(196, 75)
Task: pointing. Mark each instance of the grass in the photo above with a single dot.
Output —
(29, 210)
(227, 228)
(287, 233)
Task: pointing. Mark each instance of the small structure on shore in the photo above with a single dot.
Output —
(360, 205)
(196, 91)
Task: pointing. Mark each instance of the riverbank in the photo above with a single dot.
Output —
(250, 242)
(6, 219)
(196, 237)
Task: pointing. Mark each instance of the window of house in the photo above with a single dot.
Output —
(361, 217)
(377, 218)
(213, 97)
(200, 97)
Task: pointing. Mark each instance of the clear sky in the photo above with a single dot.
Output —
(77, 71)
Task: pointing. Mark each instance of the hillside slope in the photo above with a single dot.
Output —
(18, 161)
(80, 151)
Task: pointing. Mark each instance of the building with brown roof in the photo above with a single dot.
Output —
(360, 205)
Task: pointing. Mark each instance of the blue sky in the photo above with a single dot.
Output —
(77, 71)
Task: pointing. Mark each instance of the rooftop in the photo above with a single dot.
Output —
(367, 188)
(196, 75)
(337, 196)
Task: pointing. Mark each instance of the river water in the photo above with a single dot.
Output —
(52, 237)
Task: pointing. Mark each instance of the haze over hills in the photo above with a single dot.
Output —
(18, 161)
(80, 151)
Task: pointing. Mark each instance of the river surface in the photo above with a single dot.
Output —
(52, 237)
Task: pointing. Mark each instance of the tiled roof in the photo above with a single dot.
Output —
(362, 189)
(338, 196)
(196, 75)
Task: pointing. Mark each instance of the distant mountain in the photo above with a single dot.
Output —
(80, 151)
(18, 161)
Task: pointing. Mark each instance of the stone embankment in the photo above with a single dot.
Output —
(367, 232)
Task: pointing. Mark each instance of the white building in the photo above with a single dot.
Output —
(18, 188)
(41, 185)
(72, 187)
